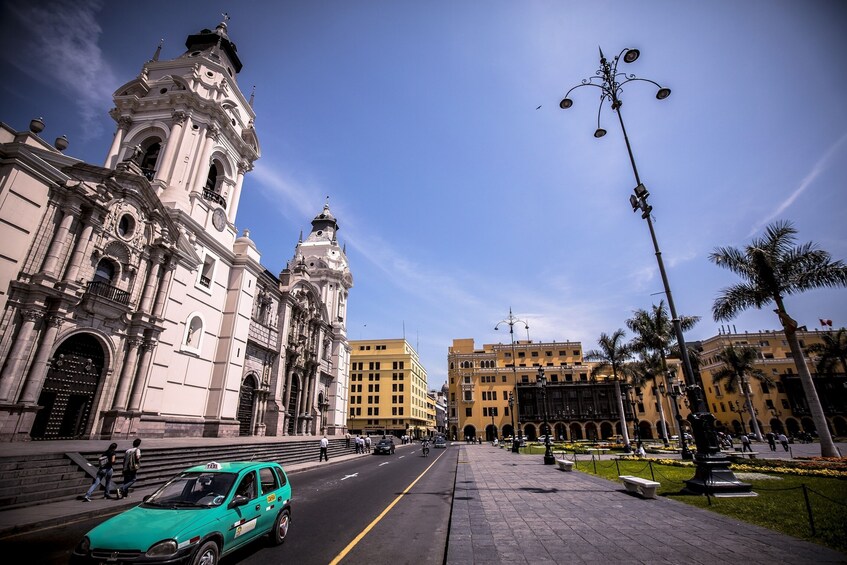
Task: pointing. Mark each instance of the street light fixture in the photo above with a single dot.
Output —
(713, 473)
(324, 406)
(541, 383)
(515, 444)
(511, 321)
(675, 391)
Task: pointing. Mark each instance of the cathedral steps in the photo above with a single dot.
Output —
(42, 478)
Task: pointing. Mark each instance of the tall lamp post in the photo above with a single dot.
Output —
(511, 321)
(629, 396)
(541, 383)
(713, 473)
(739, 409)
(675, 391)
(515, 444)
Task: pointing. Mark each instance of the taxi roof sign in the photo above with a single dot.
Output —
(212, 466)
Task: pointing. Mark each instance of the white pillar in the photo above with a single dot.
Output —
(112, 157)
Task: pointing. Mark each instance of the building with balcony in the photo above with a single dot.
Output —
(388, 390)
(780, 405)
(493, 393)
(129, 304)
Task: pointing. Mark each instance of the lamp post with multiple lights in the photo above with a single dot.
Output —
(674, 390)
(713, 473)
(511, 321)
(541, 383)
(515, 444)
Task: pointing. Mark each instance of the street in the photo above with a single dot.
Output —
(377, 510)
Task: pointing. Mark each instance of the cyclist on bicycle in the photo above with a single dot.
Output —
(425, 446)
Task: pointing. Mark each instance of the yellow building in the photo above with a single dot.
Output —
(492, 391)
(782, 405)
(388, 389)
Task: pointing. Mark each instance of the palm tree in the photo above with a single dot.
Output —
(654, 331)
(642, 371)
(771, 268)
(739, 364)
(613, 354)
(830, 352)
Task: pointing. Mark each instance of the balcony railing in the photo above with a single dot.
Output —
(213, 196)
(105, 290)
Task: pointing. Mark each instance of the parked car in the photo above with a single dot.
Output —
(201, 514)
(440, 442)
(385, 446)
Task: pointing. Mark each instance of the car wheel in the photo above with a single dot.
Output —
(206, 555)
(280, 531)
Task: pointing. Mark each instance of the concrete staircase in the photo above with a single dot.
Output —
(42, 478)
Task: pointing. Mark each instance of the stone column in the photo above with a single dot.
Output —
(164, 286)
(202, 168)
(51, 261)
(151, 281)
(39, 367)
(112, 157)
(19, 352)
(80, 246)
(163, 171)
(127, 372)
(297, 405)
(141, 374)
(243, 167)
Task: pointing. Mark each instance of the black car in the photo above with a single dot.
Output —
(440, 442)
(385, 446)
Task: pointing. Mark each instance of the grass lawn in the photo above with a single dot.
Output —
(780, 504)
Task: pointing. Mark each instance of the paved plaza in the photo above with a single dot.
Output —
(513, 509)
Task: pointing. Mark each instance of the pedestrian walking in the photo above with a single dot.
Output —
(771, 440)
(368, 444)
(745, 444)
(105, 469)
(783, 440)
(132, 461)
(324, 445)
(347, 440)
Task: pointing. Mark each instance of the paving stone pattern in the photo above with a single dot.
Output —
(513, 509)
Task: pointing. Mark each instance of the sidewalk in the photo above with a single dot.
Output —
(19, 520)
(513, 509)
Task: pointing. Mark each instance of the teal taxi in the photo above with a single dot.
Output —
(197, 517)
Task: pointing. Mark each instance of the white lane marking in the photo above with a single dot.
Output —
(401, 457)
(348, 476)
(386, 463)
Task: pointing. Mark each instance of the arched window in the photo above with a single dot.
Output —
(105, 272)
(151, 156)
(212, 177)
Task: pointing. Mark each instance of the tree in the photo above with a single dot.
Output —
(830, 352)
(613, 354)
(654, 331)
(773, 267)
(739, 364)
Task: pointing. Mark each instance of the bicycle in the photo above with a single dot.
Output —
(425, 450)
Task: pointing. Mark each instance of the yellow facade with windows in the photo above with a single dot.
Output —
(781, 405)
(388, 389)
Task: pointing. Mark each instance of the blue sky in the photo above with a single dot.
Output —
(457, 198)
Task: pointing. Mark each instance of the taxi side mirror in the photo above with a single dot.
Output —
(238, 500)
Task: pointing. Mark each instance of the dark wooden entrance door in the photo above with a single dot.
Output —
(69, 389)
(245, 407)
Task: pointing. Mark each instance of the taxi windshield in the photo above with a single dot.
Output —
(193, 490)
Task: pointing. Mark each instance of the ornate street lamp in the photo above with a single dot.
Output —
(324, 406)
(675, 391)
(541, 383)
(739, 409)
(515, 444)
(713, 473)
(511, 321)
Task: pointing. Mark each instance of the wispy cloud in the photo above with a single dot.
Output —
(820, 166)
(56, 43)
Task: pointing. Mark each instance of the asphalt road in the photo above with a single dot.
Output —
(382, 509)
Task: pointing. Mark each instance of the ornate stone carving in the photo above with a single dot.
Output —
(32, 315)
(179, 117)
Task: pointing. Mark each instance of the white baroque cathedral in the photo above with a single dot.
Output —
(131, 307)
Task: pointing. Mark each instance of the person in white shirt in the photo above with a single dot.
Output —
(324, 445)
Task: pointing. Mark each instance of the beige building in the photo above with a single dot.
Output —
(388, 390)
(129, 304)
(780, 406)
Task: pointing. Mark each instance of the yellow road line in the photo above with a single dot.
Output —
(376, 520)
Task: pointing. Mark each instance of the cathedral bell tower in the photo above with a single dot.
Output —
(186, 123)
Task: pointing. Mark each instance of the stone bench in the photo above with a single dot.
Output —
(742, 454)
(643, 487)
(564, 464)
